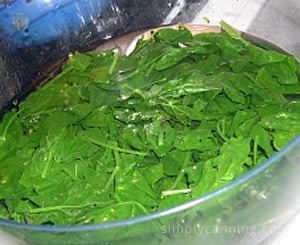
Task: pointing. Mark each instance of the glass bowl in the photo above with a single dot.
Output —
(246, 211)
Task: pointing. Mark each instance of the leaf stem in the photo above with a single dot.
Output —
(45, 170)
(221, 132)
(128, 203)
(255, 145)
(3, 136)
(42, 112)
(116, 169)
(114, 63)
(173, 192)
(61, 74)
(232, 33)
(97, 142)
(61, 208)
(181, 174)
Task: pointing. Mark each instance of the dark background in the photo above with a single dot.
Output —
(21, 70)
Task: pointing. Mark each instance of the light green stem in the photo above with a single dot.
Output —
(97, 142)
(181, 174)
(128, 203)
(61, 208)
(255, 145)
(3, 136)
(114, 63)
(45, 170)
(221, 132)
(173, 192)
(116, 169)
(232, 33)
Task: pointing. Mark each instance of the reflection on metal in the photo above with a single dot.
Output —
(36, 35)
(20, 21)
(179, 5)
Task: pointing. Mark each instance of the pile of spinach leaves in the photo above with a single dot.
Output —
(114, 137)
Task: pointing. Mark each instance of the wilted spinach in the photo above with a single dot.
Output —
(114, 137)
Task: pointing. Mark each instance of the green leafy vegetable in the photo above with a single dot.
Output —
(114, 137)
